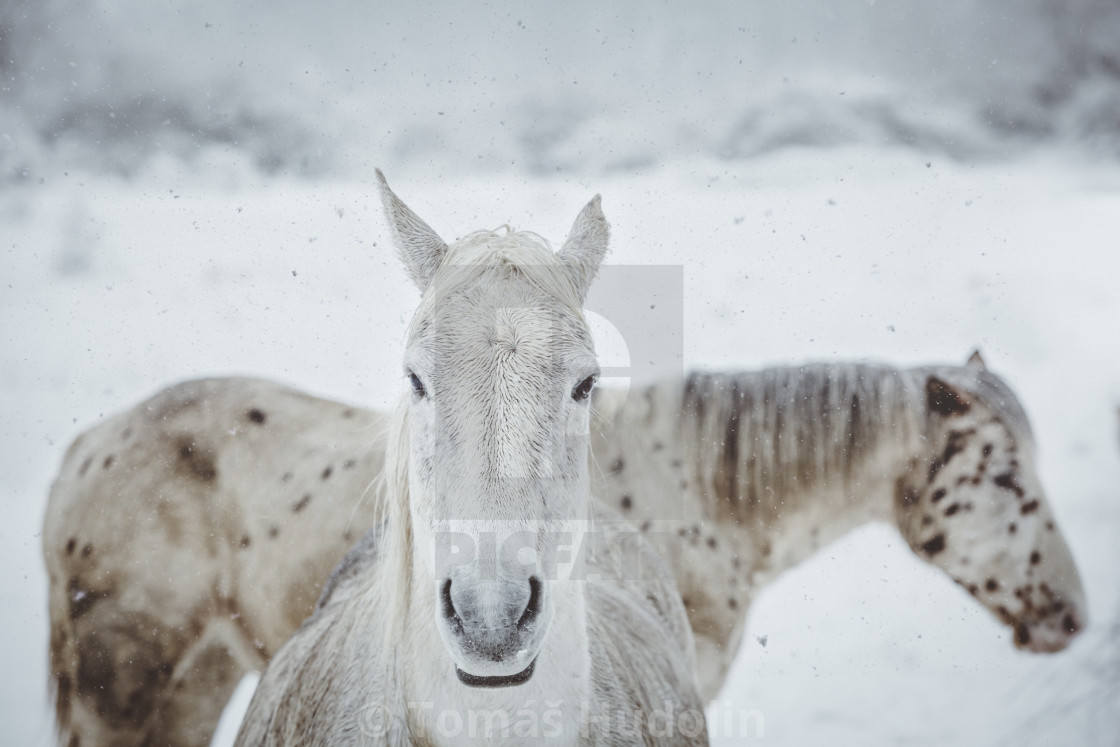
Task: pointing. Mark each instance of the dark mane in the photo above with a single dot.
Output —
(774, 432)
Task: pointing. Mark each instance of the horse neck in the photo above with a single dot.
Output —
(785, 459)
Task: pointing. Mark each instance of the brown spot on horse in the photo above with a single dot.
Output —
(956, 444)
(1008, 481)
(195, 462)
(123, 670)
(934, 545)
(82, 600)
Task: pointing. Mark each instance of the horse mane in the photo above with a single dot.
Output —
(757, 437)
(507, 252)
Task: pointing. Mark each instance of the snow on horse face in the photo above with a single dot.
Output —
(501, 365)
(978, 511)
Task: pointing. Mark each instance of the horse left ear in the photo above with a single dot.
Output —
(586, 245)
(945, 399)
(420, 248)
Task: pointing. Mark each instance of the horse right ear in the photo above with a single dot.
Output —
(420, 248)
(977, 361)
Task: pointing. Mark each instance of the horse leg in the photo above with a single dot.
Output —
(117, 658)
(117, 672)
(714, 657)
(716, 647)
(200, 688)
(716, 594)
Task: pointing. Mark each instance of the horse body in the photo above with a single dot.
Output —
(758, 471)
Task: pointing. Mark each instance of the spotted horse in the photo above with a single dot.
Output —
(187, 538)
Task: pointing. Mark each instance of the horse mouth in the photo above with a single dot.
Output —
(474, 680)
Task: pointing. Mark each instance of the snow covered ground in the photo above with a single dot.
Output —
(191, 194)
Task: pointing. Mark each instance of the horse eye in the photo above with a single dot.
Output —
(417, 385)
(583, 389)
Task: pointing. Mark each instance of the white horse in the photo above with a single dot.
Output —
(455, 621)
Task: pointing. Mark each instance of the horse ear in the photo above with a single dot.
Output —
(977, 361)
(586, 245)
(944, 399)
(419, 247)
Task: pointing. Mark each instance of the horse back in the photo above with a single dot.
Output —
(216, 479)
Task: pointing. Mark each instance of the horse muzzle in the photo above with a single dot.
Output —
(493, 629)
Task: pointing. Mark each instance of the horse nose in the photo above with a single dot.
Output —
(492, 626)
(474, 616)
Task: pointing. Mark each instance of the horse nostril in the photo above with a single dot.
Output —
(534, 607)
(445, 600)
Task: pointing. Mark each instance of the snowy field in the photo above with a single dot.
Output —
(137, 256)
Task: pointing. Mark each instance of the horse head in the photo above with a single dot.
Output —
(978, 510)
(500, 363)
